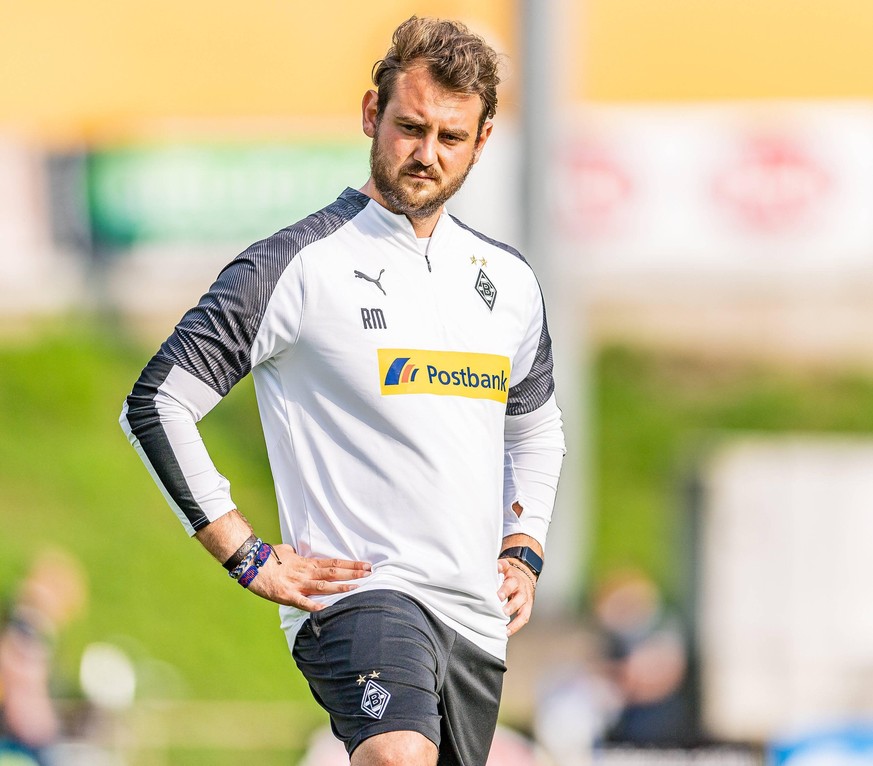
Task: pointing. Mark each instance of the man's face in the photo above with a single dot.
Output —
(424, 143)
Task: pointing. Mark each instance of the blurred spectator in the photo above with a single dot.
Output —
(575, 708)
(51, 594)
(645, 656)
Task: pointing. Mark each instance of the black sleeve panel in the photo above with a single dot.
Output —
(145, 423)
(213, 341)
(533, 392)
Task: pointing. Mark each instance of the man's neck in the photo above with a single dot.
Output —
(423, 227)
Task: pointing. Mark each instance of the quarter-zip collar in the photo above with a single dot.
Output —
(397, 228)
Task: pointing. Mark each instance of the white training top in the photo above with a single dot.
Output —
(406, 399)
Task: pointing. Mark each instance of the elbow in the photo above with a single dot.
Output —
(123, 420)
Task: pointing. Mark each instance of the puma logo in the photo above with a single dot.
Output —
(375, 280)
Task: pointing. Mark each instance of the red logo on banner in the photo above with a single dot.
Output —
(595, 189)
(774, 183)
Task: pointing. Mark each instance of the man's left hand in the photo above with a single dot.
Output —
(519, 591)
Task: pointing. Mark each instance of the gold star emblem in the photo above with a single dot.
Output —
(473, 259)
(374, 674)
(361, 680)
(483, 262)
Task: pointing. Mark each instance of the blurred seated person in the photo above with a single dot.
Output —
(645, 657)
(51, 594)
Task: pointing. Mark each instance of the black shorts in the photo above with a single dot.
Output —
(379, 661)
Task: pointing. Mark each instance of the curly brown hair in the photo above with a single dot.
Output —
(457, 59)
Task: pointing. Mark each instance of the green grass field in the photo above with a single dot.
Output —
(69, 478)
(655, 416)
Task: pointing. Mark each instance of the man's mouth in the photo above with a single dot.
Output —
(421, 175)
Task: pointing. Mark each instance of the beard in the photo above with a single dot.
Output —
(409, 196)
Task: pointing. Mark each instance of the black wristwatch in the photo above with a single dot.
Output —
(525, 555)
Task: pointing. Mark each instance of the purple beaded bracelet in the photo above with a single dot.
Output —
(264, 551)
(246, 577)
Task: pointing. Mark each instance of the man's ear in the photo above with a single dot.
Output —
(480, 141)
(369, 111)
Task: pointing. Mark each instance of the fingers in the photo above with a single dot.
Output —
(339, 569)
(325, 587)
(323, 569)
(292, 581)
(521, 618)
(307, 605)
(518, 592)
(505, 569)
(328, 576)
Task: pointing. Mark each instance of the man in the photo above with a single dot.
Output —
(404, 379)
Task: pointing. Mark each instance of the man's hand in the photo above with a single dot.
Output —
(297, 577)
(291, 581)
(519, 591)
(519, 583)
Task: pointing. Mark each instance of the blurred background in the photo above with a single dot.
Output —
(692, 181)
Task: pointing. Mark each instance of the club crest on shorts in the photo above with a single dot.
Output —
(486, 289)
(375, 699)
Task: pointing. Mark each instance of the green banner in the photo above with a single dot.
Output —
(214, 192)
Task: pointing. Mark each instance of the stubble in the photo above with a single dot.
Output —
(399, 190)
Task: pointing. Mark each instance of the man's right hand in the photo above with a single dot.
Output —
(296, 578)
(290, 582)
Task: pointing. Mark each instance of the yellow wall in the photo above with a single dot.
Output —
(74, 69)
(83, 67)
(725, 49)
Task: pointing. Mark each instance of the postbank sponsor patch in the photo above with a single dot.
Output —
(445, 373)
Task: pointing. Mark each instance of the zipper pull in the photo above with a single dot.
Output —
(427, 260)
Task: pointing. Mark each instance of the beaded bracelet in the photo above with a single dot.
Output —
(236, 559)
(263, 553)
(246, 579)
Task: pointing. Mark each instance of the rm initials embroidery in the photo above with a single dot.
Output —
(373, 319)
(375, 699)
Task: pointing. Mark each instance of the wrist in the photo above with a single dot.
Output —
(223, 536)
(526, 571)
(525, 556)
(240, 554)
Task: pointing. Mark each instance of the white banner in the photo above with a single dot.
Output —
(744, 188)
(785, 611)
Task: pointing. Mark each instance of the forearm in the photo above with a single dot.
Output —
(160, 420)
(224, 536)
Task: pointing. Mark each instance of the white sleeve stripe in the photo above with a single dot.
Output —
(159, 418)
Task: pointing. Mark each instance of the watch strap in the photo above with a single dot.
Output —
(527, 556)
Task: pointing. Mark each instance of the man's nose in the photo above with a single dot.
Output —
(426, 151)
